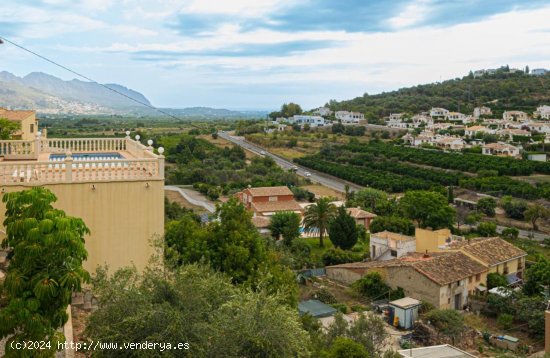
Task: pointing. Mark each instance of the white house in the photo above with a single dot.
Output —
(541, 127)
(418, 140)
(396, 123)
(322, 111)
(313, 121)
(388, 245)
(474, 130)
(422, 119)
(518, 116)
(482, 111)
(538, 71)
(449, 142)
(349, 117)
(509, 133)
(438, 112)
(455, 116)
(542, 112)
(500, 149)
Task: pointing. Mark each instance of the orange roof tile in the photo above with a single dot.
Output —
(15, 115)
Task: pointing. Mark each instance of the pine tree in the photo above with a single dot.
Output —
(343, 230)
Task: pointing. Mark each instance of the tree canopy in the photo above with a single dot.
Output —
(428, 209)
(343, 230)
(45, 267)
(318, 216)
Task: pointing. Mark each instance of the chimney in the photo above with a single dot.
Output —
(547, 331)
(426, 255)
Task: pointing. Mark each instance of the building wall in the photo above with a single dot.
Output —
(414, 284)
(430, 240)
(512, 266)
(122, 216)
(345, 275)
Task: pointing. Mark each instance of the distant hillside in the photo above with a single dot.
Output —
(49, 94)
(500, 92)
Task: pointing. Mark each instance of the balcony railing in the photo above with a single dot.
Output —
(23, 164)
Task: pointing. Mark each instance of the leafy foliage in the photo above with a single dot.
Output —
(45, 267)
(196, 305)
(336, 256)
(495, 279)
(285, 224)
(514, 208)
(537, 276)
(318, 216)
(393, 224)
(448, 322)
(487, 229)
(487, 206)
(429, 209)
(343, 230)
(8, 128)
(373, 286)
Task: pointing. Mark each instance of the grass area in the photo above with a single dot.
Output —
(288, 153)
(532, 247)
(318, 251)
(322, 191)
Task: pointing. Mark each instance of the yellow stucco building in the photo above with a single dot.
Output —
(27, 119)
(116, 185)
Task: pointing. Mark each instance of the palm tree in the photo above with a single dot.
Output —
(318, 216)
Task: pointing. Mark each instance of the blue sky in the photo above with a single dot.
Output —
(260, 53)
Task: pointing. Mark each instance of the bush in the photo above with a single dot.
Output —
(487, 206)
(448, 322)
(510, 233)
(325, 296)
(393, 224)
(505, 321)
(487, 229)
(496, 280)
(342, 307)
(335, 256)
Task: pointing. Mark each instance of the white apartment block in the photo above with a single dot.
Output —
(438, 112)
(349, 117)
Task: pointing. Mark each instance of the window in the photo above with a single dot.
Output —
(393, 253)
(470, 279)
(449, 300)
(32, 128)
(272, 198)
(478, 277)
(458, 283)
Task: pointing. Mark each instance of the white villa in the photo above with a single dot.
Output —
(313, 121)
(438, 112)
(500, 149)
(474, 130)
(518, 116)
(541, 127)
(455, 116)
(322, 111)
(349, 117)
(388, 245)
(542, 112)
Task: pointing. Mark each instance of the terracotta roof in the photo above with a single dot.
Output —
(15, 115)
(359, 213)
(500, 146)
(260, 222)
(271, 206)
(441, 268)
(270, 191)
(477, 128)
(393, 236)
(491, 250)
(444, 269)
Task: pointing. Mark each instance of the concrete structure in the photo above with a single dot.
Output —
(361, 216)
(322, 111)
(538, 72)
(500, 149)
(455, 116)
(116, 185)
(537, 157)
(266, 201)
(312, 121)
(517, 116)
(432, 240)
(349, 117)
(442, 351)
(438, 112)
(28, 121)
(482, 111)
(387, 245)
(444, 279)
(406, 311)
(542, 112)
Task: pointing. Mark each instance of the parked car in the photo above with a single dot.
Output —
(262, 152)
(307, 174)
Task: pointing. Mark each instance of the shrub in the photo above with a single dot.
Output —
(335, 256)
(510, 233)
(325, 296)
(448, 322)
(342, 307)
(487, 229)
(505, 320)
(496, 280)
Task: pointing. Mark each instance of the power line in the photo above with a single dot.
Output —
(3, 39)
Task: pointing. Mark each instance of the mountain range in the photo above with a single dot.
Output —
(48, 94)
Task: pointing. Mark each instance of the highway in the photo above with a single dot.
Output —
(316, 177)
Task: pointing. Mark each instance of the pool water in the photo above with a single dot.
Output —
(84, 157)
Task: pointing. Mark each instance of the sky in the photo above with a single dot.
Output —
(258, 54)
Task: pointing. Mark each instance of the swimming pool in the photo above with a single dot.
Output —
(86, 157)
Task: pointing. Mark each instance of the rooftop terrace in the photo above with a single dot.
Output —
(63, 160)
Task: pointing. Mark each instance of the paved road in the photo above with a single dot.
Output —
(528, 234)
(316, 177)
(193, 197)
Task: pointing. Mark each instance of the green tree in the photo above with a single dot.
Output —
(537, 277)
(487, 229)
(318, 216)
(197, 305)
(369, 199)
(45, 268)
(8, 128)
(487, 206)
(290, 110)
(393, 224)
(343, 230)
(448, 322)
(428, 208)
(505, 321)
(495, 279)
(285, 224)
(450, 195)
(346, 348)
(514, 208)
(510, 233)
(536, 212)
